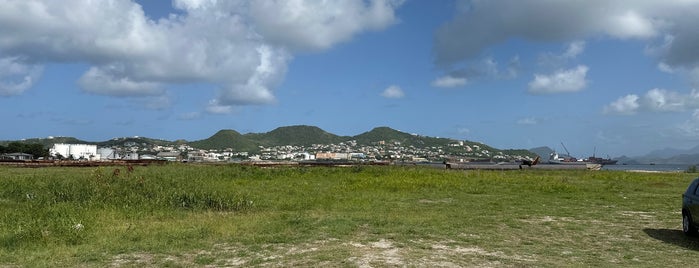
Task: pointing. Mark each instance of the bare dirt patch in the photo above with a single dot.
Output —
(377, 253)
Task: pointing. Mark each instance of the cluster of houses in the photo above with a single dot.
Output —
(346, 151)
(16, 156)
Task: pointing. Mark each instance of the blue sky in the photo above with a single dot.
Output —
(618, 76)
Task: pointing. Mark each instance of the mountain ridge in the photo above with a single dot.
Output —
(295, 135)
(305, 135)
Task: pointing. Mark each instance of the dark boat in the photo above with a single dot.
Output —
(601, 161)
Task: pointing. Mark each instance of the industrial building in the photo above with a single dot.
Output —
(77, 151)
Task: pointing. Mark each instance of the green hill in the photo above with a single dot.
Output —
(226, 138)
(49, 142)
(390, 135)
(295, 135)
(300, 135)
(139, 141)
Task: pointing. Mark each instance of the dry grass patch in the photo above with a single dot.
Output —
(239, 216)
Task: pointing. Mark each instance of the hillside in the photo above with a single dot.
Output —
(131, 141)
(390, 135)
(300, 135)
(226, 138)
(49, 142)
(295, 135)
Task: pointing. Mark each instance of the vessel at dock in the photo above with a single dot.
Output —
(601, 161)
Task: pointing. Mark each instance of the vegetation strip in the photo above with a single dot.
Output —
(234, 215)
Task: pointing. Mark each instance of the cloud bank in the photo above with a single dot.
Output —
(17, 76)
(242, 48)
(482, 24)
(655, 100)
(571, 80)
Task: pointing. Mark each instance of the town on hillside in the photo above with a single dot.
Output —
(386, 151)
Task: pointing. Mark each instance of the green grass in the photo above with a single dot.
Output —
(230, 215)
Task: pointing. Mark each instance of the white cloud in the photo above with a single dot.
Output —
(669, 101)
(449, 81)
(242, 48)
(624, 105)
(393, 92)
(574, 49)
(631, 24)
(690, 128)
(512, 70)
(655, 100)
(314, 25)
(571, 80)
(663, 67)
(100, 81)
(487, 68)
(214, 108)
(484, 24)
(16, 76)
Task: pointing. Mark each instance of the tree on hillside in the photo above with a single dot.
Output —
(35, 149)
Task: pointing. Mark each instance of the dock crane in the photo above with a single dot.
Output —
(572, 159)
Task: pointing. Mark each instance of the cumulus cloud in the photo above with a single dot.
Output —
(669, 101)
(690, 127)
(16, 76)
(572, 51)
(486, 23)
(449, 81)
(663, 67)
(625, 105)
(100, 81)
(215, 108)
(240, 47)
(487, 68)
(393, 92)
(655, 100)
(571, 80)
(313, 25)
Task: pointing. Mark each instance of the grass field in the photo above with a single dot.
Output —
(229, 215)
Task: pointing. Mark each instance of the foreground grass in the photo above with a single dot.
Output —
(191, 215)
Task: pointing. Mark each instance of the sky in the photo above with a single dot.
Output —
(606, 77)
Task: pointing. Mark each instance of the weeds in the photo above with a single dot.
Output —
(177, 215)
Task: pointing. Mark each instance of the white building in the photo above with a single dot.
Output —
(77, 151)
(108, 153)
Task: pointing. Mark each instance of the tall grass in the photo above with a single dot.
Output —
(92, 216)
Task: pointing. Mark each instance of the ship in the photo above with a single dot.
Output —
(601, 161)
(554, 158)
